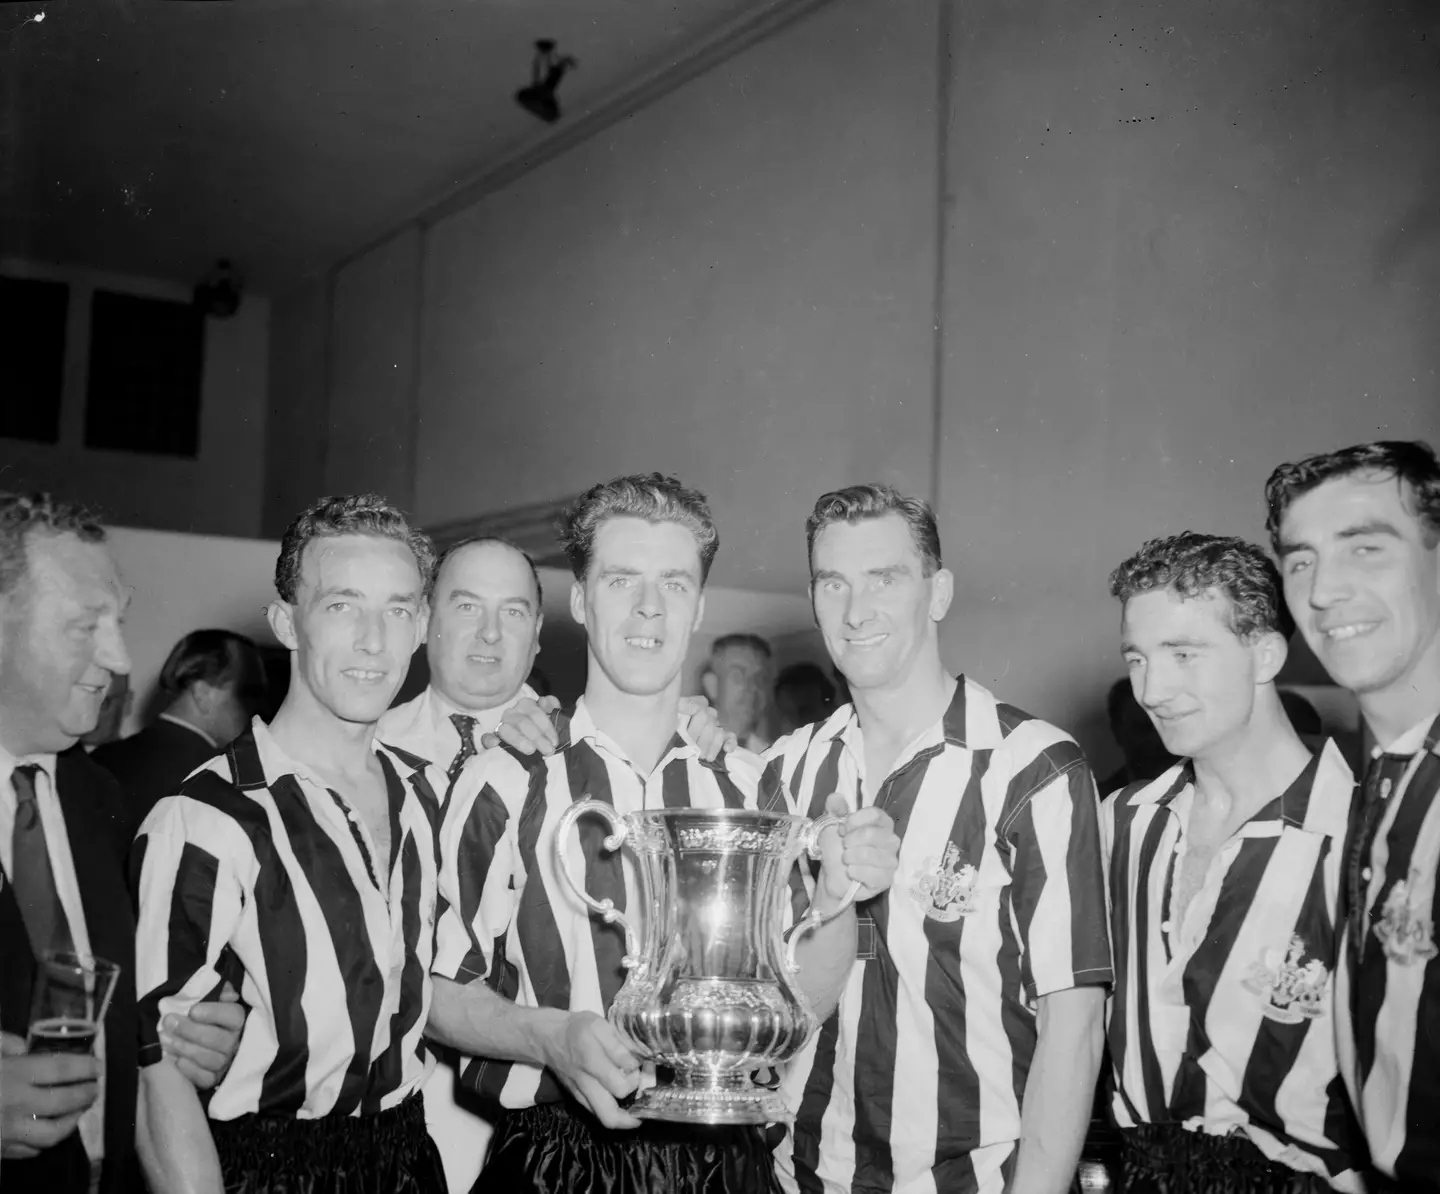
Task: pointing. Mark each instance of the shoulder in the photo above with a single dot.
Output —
(1035, 746)
(80, 777)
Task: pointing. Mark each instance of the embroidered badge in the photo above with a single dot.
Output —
(1405, 933)
(947, 889)
(1290, 988)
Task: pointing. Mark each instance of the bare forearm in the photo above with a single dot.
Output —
(475, 1020)
(172, 1134)
(825, 957)
(1060, 1090)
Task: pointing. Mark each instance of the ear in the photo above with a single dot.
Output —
(422, 626)
(281, 616)
(709, 685)
(942, 593)
(699, 613)
(577, 601)
(1270, 652)
(539, 625)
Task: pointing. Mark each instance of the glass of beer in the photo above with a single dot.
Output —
(72, 994)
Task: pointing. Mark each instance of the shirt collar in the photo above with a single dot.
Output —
(191, 726)
(971, 722)
(9, 762)
(275, 763)
(443, 708)
(584, 729)
(1317, 800)
(1413, 739)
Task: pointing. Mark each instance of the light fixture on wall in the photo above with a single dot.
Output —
(218, 293)
(546, 70)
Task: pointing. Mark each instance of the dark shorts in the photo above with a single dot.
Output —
(560, 1148)
(1166, 1159)
(387, 1153)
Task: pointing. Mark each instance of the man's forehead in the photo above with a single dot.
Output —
(661, 544)
(870, 543)
(479, 567)
(1165, 610)
(358, 556)
(740, 653)
(66, 558)
(1340, 502)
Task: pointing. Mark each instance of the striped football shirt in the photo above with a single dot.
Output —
(507, 916)
(1223, 1021)
(259, 874)
(1389, 987)
(915, 1082)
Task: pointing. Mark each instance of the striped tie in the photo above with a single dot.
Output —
(30, 872)
(465, 727)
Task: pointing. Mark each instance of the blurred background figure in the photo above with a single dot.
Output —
(114, 709)
(1137, 737)
(212, 683)
(803, 694)
(736, 681)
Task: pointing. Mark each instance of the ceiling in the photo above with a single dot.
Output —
(153, 136)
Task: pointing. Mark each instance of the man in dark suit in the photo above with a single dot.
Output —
(67, 1121)
(212, 684)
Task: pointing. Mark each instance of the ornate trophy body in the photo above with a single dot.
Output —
(710, 992)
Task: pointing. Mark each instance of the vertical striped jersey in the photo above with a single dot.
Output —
(1389, 989)
(1223, 1021)
(259, 874)
(507, 916)
(915, 1082)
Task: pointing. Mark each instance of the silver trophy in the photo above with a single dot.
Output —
(711, 990)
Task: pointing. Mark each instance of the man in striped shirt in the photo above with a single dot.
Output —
(300, 866)
(641, 549)
(1358, 536)
(963, 1054)
(1224, 875)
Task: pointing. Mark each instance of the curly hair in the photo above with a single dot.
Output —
(26, 514)
(1412, 463)
(857, 503)
(357, 514)
(653, 497)
(1191, 564)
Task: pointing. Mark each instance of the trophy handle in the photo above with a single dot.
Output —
(618, 829)
(812, 920)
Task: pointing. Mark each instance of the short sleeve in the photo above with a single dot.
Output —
(479, 870)
(1057, 888)
(188, 871)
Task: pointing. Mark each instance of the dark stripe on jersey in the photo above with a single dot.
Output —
(1027, 868)
(729, 792)
(189, 932)
(1154, 1077)
(675, 785)
(604, 869)
(1203, 970)
(534, 918)
(387, 1072)
(1117, 1037)
(429, 801)
(958, 1086)
(324, 867)
(1085, 846)
(818, 1087)
(483, 830)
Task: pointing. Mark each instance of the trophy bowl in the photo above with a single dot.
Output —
(710, 991)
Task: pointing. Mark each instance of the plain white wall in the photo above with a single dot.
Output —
(221, 491)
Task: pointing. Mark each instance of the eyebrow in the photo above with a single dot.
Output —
(411, 598)
(1128, 648)
(457, 594)
(669, 573)
(1374, 526)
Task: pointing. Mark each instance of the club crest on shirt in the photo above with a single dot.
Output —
(946, 888)
(1290, 988)
(1404, 931)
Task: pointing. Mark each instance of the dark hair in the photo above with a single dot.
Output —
(1191, 564)
(739, 639)
(479, 540)
(856, 503)
(652, 496)
(1411, 462)
(357, 514)
(219, 657)
(26, 514)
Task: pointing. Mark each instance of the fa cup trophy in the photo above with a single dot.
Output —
(711, 992)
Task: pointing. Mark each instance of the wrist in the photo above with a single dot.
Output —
(544, 1034)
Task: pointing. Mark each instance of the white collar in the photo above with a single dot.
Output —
(1408, 742)
(191, 726)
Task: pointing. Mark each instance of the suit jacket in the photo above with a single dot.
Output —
(151, 765)
(88, 795)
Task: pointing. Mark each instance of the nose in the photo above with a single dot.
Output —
(489, 628)
(111, 652)
(647, 601)
(857, 609)
(1329, 584)
(370, 633)
(1156, 686)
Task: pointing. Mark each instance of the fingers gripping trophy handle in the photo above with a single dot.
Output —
(813, 919)
(606, 908)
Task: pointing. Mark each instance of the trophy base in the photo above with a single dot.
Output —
(710, 1099)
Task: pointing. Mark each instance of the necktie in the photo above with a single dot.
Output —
(30, 872)
(465, 727)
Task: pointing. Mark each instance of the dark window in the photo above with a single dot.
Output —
(146, 358)
(32, 358)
